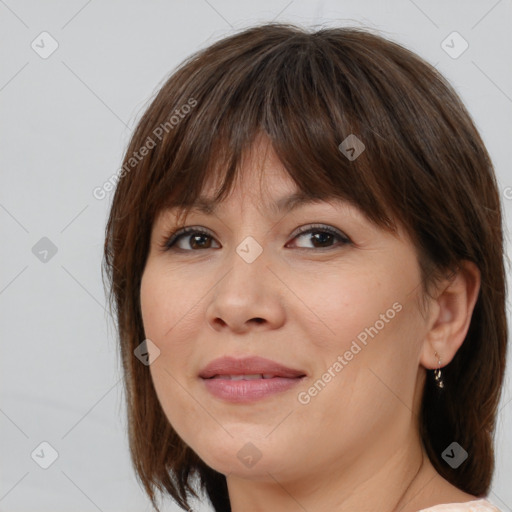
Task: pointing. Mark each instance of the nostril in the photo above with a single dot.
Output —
(220, 322)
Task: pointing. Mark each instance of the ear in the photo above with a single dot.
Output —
(450, 315)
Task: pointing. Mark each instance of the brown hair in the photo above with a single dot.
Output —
(424, 164)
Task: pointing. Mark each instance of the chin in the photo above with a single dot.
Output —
(244, 456)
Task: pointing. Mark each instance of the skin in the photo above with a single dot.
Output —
(355, 445)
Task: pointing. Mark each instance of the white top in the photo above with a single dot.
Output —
(481, 505)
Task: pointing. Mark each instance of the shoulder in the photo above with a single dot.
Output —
(479, 505)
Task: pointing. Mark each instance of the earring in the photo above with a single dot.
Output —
(437, 373)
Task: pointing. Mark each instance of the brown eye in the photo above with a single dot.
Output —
(194, 238)
(322, 237)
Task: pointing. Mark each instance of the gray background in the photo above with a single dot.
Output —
(65, 121)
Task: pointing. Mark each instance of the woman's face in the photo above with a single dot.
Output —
(343, 314)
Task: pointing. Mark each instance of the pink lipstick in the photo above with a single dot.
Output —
(248, 379)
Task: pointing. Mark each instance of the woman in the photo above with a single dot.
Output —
(305, 253)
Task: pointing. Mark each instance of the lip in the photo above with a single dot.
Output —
(246, 366)
(283, 378)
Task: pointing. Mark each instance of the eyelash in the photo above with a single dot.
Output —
(170, 241)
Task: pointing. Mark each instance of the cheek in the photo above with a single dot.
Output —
(336, 307)
(168, 320)
(167, 315)
(166, 304)
(369, 318)
(150, 303)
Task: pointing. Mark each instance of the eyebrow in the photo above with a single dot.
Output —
(283, 204)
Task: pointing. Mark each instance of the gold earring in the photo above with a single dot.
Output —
(437, 373)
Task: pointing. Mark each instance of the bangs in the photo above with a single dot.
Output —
(306, 101)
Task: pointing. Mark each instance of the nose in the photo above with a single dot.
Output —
(249, 296)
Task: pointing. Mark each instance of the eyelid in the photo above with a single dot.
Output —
(310, 227)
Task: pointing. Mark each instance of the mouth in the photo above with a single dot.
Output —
(248, 379)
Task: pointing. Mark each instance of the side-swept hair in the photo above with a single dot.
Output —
(424, 165)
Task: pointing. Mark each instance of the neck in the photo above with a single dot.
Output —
(394, 479)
